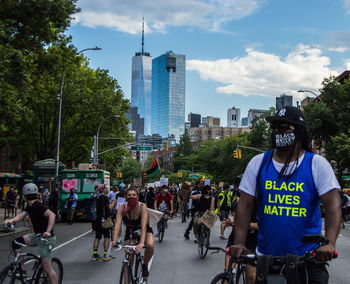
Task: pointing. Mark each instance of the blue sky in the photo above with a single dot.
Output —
(241, 53)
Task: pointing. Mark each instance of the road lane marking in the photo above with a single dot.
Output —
(72, 240)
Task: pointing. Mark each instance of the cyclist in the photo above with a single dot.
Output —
(205, 202)
(164, 203)
(135, 216)
(42, 220)
(288, 182)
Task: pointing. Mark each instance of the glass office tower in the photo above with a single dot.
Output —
(168, 95)
(141, 85)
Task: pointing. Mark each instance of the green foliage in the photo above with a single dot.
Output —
(131, 169)
(34, 55)
(328, 123)
(185, 146)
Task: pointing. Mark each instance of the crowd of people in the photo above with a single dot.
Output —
(270, 208)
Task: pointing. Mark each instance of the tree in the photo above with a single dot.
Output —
(131, 169)
(185, 146)
(36, 55)
(328, 123)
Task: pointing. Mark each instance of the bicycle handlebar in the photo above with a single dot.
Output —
(127, 247)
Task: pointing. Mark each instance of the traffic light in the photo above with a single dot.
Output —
(119, 174)
(237, 154)
(179, 174)
(166, 146)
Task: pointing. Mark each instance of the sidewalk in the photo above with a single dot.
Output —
(19, 228)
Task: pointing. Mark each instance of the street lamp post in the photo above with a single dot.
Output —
(59, 98)
(95, 151)
(307, 91)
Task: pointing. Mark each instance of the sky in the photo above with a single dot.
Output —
(239, 53)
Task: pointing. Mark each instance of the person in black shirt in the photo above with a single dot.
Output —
(43, 220)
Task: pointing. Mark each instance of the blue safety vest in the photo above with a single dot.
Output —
(287, 209)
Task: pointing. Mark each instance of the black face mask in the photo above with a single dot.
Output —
(282, 140)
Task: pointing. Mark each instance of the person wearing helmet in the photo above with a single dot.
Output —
(42, 220)
(286, 185)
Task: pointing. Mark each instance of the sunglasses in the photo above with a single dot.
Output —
(281, 127)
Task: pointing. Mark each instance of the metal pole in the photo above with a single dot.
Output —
(98, 133)
(307, 91)
(57, 161)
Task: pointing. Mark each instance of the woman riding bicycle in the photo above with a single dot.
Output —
(135, 216)
(205, 202)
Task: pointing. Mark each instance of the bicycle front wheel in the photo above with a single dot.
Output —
(222, 278)
(138, 270)
(203, 244)
(6, 275)
(43, 278)
(125, 275)
(161, 232)
(241, 275)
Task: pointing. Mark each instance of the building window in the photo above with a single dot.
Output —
(217, 132)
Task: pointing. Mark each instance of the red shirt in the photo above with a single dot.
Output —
(166, 197)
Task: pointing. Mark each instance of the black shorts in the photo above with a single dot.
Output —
(107, 233)
(224, 214)
(135, 234)
(251, 243)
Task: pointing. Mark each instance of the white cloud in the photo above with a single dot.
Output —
(340, 49)
(266, 74)
(347, 6)
(347, 64)
(125, 16)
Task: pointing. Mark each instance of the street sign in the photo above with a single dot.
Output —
(141, 148)
(194, 176)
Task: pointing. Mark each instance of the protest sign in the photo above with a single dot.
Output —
(209, 219)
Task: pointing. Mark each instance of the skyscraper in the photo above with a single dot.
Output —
(141, 85)
(168, 94)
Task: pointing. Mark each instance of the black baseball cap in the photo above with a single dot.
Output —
(288, 114)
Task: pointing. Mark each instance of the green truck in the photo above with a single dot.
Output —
(83, 182)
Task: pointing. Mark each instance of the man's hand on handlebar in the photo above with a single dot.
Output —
(236, 251)
(325, 253)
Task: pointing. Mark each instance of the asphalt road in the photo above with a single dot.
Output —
(175, 261)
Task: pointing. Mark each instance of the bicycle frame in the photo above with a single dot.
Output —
(130, 252)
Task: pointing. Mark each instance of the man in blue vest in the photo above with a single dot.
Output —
(288, 183)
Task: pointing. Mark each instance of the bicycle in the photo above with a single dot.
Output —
(162, 227)
(277, 265)
(126, 275)
(27, 267)
(203, 240)
(234, 275)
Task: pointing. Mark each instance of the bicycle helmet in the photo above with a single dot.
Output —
(30, 188)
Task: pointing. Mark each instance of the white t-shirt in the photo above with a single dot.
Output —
(322, 173)
(112, 196)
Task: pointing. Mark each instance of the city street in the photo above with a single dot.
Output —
(175, 261)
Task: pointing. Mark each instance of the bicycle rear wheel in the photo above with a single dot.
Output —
(125, 275)
(222, 278)
(43, 278)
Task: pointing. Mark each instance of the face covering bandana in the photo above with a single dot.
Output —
(132, 203)
(282, 140)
